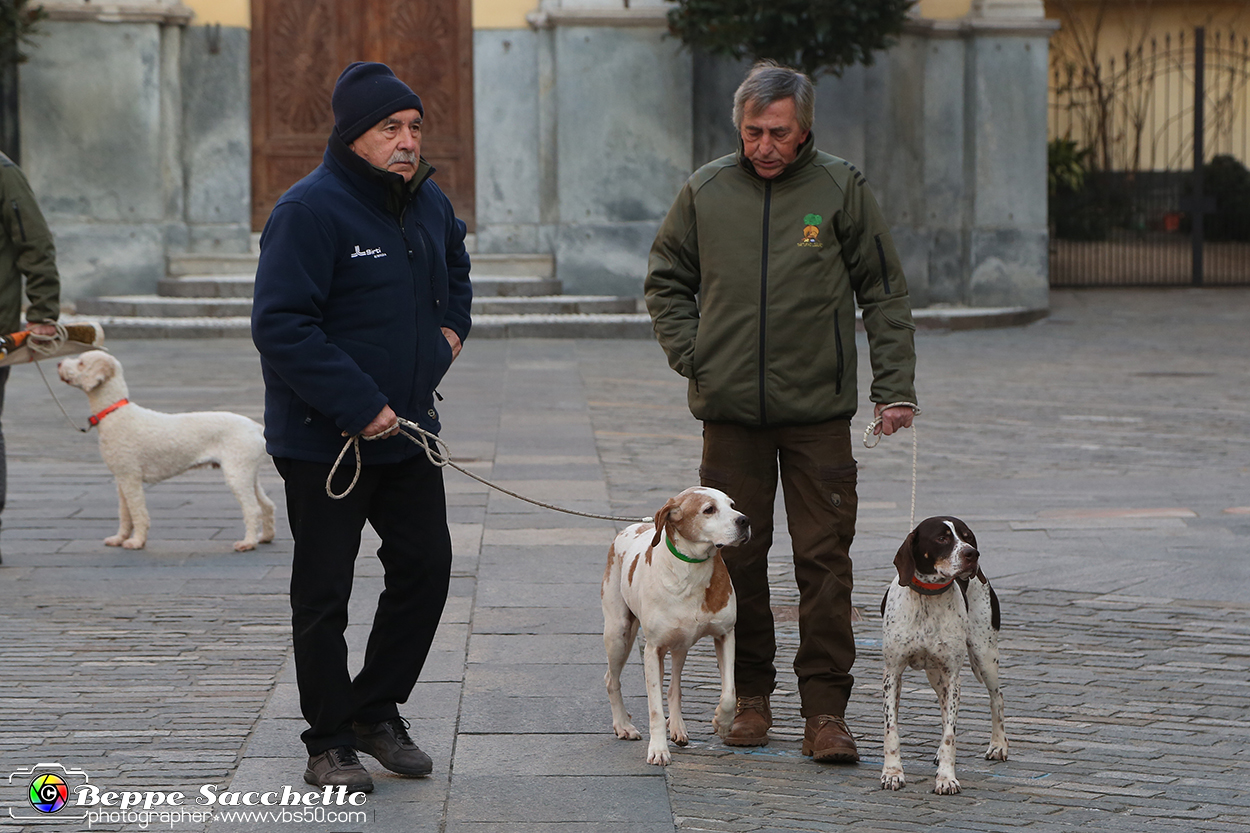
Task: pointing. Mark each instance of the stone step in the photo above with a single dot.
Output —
(207, 286)
(241, 286)
(510, 265)
(497, 286)
(514, 265)
(211, 285)
(532, 325)
(154, 306)
(180, 265)
(484, 326)
(629, 325)
(553, 305)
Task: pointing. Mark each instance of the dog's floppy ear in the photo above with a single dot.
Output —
(94, 368)
(905, 560)
(671, 511)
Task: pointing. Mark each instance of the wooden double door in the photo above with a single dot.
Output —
(299, 47)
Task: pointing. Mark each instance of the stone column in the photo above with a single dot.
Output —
(1005, 153)
(614, 111)
(102, 129)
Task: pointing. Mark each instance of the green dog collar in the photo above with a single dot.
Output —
(685, 558)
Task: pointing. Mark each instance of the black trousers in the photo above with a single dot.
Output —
(407, 506)
(4, 463)
(818, 478)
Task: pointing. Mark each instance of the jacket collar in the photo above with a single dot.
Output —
(381, 187)
(807, 151)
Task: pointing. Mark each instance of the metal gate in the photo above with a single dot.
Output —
(1148, 176)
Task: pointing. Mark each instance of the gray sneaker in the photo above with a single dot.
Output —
(390, 744)
(338, 766)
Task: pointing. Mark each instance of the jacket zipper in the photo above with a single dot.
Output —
(885, 275)
(837, 337)
(768, 198)
(21, 227)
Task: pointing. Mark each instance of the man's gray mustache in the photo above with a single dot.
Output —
(402, 156)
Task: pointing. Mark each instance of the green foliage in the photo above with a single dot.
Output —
(816, 36)
(1228, 180)
(1080, 207)
(19, 23)
(1066, 166)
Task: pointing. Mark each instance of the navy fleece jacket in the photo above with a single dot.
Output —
(358, 272)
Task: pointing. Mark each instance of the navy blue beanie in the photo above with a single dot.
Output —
(365, 94)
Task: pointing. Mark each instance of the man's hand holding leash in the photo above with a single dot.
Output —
(892, 418)
(386, 422)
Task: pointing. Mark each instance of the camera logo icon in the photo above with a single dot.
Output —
(41, 793)
(48, 792)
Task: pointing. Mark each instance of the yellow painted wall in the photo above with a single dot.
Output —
(944, 9)
(1127, 25)
(502, 14)
(510, 14)
(225, 12)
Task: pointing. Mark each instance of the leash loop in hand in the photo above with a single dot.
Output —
(872, 426)
(915, 448)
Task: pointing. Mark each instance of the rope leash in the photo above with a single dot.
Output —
(868, 434)
(44, 346)
(437, 452)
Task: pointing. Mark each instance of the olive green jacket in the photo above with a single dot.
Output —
(752, 286)
(26, 249)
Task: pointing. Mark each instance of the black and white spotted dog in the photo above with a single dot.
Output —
(930, 626)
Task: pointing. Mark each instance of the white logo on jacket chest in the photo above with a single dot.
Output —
(375, 253)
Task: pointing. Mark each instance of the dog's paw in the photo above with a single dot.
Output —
(627, 732)
(244, 546)
(659, 755)
(997, 751)
(113, 541)
(946, 786)
(677, 732)
(722, 721)
(892, 779)
(134, 543)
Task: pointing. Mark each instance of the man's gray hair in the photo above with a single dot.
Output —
(769, 81)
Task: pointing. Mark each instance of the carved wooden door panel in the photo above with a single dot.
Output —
(299, 47)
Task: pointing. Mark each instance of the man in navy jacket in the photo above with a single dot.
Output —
(361, 305)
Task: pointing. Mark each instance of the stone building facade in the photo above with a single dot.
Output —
(136, 129)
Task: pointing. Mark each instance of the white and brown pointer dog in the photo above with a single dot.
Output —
(669, 578)
(141, 446)
(927, 625)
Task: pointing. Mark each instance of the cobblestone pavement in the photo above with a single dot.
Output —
(1100, 455)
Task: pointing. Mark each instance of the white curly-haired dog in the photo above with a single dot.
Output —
(142, 446)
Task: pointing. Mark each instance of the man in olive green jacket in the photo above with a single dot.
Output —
(752, 285)
(26, 249)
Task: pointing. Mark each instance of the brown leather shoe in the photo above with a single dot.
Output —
(752, 719)
(827, 738)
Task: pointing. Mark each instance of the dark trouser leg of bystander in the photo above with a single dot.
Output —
(4, 464)
(818, 479)
(409, 512)
(327, 538)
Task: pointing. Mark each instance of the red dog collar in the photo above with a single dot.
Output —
(926, 589)
(94, 419)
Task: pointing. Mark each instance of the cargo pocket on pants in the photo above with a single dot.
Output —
(837, 488)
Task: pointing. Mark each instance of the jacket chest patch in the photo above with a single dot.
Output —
(373, 253)
(811, 232)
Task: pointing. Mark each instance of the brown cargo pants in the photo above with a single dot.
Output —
(818, 483)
